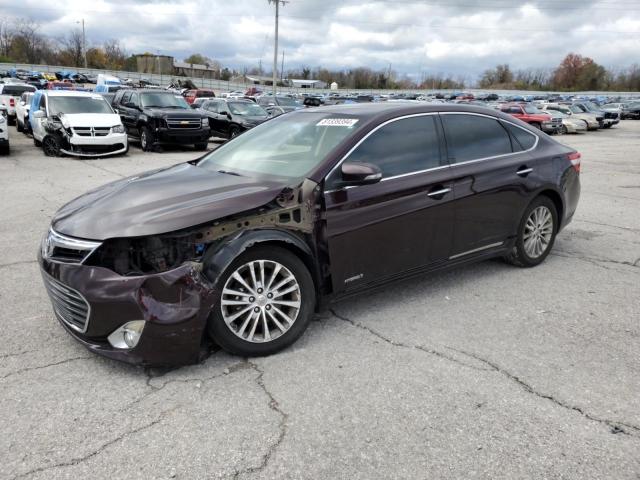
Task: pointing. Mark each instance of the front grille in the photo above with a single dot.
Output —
(610, 115)
(62, 249)
(68, 304)
(92, 131)
(97, 149)
(184, 123)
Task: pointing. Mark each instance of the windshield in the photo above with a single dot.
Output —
(287, 146)
(532, 109)
(575, 109)
(286, 102)
(248, 109)
(591, 106)
(93, 104)
(611, 105)
(163, 100)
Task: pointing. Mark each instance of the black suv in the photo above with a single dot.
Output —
(228, 118)
(157, 117)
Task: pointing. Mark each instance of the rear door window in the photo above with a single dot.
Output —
(473, 137)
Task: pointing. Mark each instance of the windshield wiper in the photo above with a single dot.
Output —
(229, 173)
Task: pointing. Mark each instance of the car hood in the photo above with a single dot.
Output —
(91, 119)
(161, 201)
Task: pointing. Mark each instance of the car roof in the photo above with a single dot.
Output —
(69, 93)
(372, 111)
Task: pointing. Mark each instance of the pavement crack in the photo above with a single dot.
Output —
(22, 262)
(17, 354)
(609, 225)
(40, 367)
(284, 417)
(101, 448)
(614, 426)
(395, 343)
(596, 261)
(153, 389)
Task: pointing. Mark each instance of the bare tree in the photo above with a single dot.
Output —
(7, 35)
(71, 51)
(29, 40)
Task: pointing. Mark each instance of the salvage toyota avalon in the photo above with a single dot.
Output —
(242, 245)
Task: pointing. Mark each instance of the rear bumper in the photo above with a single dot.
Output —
(174, 304)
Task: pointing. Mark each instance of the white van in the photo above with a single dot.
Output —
(75, 123)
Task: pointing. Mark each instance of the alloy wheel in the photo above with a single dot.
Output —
(538, 232)
(50, 147)
(260, 301)
(143, 140)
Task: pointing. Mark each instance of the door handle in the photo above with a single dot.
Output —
(524, 171)
(440, 192)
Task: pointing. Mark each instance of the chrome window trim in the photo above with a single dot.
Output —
(449, 165)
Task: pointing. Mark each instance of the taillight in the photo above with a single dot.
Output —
(12, 102)
(574, 158)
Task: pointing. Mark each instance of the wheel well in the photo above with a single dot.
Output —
(557, 201)
(298, 252)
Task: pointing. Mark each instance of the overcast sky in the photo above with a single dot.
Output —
(461, 37)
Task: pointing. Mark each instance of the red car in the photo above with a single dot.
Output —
(191, 95)
(533, 116)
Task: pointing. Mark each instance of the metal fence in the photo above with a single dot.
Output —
(225, 86)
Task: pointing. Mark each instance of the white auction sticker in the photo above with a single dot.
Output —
(337, 122)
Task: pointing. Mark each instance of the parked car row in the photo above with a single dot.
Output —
(93, 124)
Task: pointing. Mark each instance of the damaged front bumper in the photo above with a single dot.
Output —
(94, 147)
(174, 305)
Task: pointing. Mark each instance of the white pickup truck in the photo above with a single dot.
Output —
(10, 96)
(81, 124)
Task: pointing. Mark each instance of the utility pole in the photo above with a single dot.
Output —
(84, 44)
(282, 68)
(274, 75)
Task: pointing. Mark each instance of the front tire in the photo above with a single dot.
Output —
(51, 145)
(266, 301)
(536, 234)
(146, 139)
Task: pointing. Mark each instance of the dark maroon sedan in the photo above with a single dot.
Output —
(242, 245)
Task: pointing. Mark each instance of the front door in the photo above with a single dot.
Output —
(402, 223)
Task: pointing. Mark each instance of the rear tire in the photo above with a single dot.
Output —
(257, 309)
(537, 126)
(536, 234)
(234, 132)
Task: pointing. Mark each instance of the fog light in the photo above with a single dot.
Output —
(128, 335)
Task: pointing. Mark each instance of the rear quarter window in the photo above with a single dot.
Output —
(523, 140)
(17, 90)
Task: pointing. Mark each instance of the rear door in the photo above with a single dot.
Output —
(402, 223)
(493, 175)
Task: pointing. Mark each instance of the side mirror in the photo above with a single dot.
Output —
(357, 173)
(39, 114)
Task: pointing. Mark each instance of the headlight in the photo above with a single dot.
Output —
(118, 129)
(205, 122)
(64, 122)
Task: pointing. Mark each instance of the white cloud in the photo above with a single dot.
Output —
(414, 36)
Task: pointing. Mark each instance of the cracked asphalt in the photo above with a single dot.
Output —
(487, 371)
